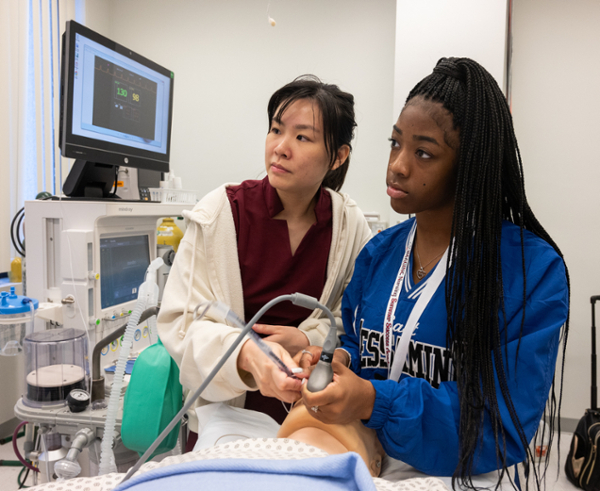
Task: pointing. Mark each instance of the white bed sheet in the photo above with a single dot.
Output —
(219, 423)
(227, 432)
(253, 448)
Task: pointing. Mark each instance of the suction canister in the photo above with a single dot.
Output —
(16, 320)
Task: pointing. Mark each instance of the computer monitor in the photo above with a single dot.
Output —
(116, 110)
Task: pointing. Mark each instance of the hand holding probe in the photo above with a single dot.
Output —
(233, 318)
(266, 349)
(323, 371)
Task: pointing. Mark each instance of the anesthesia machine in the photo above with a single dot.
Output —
(86, 261)
(87, 255)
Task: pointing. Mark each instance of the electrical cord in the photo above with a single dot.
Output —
(9, 438)
(14, 232)
(113, 194)
(22, 483)
(19, 223)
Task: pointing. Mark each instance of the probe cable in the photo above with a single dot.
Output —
(297, 299)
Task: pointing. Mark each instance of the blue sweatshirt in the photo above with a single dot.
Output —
(417, 418)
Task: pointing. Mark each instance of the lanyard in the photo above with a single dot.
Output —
(388, 322)
(432, 285)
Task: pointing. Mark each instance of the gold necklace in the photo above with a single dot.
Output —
(421, 271)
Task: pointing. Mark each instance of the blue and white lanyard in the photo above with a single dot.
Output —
(433, 283)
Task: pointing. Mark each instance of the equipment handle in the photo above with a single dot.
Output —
(594, 391)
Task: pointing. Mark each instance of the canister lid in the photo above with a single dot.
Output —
(11, 304)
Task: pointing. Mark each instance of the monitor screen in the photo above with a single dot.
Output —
(116, 105)
(123, 265)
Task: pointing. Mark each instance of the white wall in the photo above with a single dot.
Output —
(228, 60)
(556, 108)
(429, 30)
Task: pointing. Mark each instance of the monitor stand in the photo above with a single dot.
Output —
(90, 180)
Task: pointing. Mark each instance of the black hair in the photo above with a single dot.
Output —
(490, 188)
(337, 112)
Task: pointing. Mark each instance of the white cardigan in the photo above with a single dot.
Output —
(207, 268)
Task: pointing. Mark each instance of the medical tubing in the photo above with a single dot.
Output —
(226, 313)
(116, 334)
(68, 468)
(44, 450)
(222, 309)
(296, 299)
(151, 280)
(32, 308)
(16, 448)
(152, 330)
(107, 459)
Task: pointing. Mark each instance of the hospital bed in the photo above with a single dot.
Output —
(239, 447)
(242, 464)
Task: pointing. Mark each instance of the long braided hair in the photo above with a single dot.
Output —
(490, 188)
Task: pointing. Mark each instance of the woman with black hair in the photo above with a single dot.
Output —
(453, 318)
(248, 243)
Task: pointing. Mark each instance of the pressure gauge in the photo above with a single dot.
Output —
(78, 400)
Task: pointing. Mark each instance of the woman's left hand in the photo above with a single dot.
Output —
(347, 398)
(291, 338)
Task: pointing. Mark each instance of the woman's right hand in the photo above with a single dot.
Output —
(271, 381)
(347, 398)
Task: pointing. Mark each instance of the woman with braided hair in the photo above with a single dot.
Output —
(453, 318)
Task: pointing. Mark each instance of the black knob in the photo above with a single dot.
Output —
(78, 400)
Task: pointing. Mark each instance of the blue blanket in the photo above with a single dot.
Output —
(336, 472)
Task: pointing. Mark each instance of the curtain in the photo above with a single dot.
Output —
(30, 160)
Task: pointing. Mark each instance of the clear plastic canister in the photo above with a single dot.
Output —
(55, 364)
(16, 320)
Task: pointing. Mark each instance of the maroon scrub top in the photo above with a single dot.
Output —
(268, 267)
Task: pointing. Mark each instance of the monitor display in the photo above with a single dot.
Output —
(123, 265)
(116, 105)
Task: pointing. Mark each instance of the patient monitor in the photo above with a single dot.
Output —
(90, 257)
